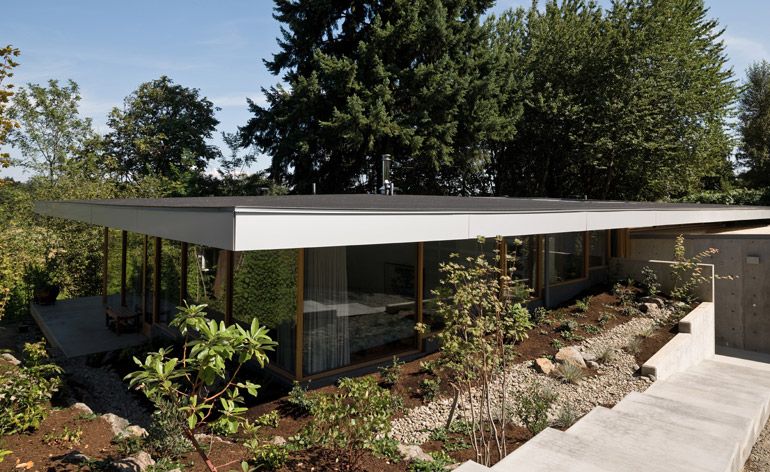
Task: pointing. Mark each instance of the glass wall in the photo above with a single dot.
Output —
(437, 252)
(359, 304)
(207, 279)
(114, 258)
(598, 248)
(265, 287)
(170, 279)
(522, 259)
(138, 274)
(566, 257)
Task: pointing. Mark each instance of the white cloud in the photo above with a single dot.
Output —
(743, 49)
(238, 99)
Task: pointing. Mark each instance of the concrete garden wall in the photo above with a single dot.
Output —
(693, 343)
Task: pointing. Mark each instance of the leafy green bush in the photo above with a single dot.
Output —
(567, 416)
(26, 391)
(439, 463)
(269, 419)
(583, 305)
(300, 400)
(430, 388)
(532, 407)
(387, 448)
(391, 373)
(650, 281)
(164, 435)
(199, 383)
(538, 315)
(267, 455)
(351, 419)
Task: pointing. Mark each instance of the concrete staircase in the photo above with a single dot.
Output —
(706, 418)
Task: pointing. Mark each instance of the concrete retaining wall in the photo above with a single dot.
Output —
(693, 343)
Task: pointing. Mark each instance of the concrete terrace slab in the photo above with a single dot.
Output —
(76, 327)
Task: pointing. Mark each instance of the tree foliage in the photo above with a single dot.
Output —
(754, 125)
(565, 99)
(51, 130)
(162, 131)
(7, 64)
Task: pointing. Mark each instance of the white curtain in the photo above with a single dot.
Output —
(326, 310)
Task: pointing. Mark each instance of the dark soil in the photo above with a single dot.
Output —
(515, 436)
(318, 459)
(651, 344)
(43, 448)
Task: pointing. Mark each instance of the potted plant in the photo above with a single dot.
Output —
(44, 288)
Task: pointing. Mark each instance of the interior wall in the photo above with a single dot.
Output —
(742, 304)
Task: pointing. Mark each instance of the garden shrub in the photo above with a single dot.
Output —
(270, 419)
(430, 388)
(532, 407)
(26, 390)
(267, 455)
(391, 373)
(299, 399)
(164, 435)
(569, 372)
(650, 281)
(351, 419)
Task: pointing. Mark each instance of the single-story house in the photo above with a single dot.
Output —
(341, 280)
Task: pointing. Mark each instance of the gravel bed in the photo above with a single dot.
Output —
(613, 381)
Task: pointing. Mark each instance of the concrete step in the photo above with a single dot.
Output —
(552, 450)
(747, 370)
(746, 358)
(712, 422)
(709, 399)
(732, 388)
(662, 444)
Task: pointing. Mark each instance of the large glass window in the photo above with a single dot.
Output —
(437, 252)
(170, 279)
(207, 279)
(597, 254)
(138, 273)
(521, 258)
(265, 287)
(114, 257)
(359, 304)
(566, 257)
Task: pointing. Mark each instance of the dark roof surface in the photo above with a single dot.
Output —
(404, 203)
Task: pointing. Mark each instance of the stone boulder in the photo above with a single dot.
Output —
(133, 431)
(544, 365)
(138, 462)
(651, 309)
(412, 452)
(117, 423)
(9, 358)
(82, 408)
(659, 302)
(570, 355)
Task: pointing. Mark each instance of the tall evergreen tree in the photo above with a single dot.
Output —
(416, 79)
(754, 126)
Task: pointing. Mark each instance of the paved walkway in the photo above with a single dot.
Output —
(704, 419)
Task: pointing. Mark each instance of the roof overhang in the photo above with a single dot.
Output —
(244, 228)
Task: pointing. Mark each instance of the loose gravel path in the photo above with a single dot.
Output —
(759, 461)
(614, 381)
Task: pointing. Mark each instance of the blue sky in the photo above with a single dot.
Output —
(109, 47)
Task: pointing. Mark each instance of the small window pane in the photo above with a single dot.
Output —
(521, 257)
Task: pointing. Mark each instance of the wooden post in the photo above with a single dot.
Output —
(123, 256)
(105, 261)
(183, 273)
(300, 323)
(156, 270)
(229, 288)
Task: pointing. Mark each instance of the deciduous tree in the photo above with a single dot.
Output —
(754, 125)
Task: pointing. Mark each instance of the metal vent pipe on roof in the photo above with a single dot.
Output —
(387, 186)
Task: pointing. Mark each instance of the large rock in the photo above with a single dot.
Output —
(9, 358)
(73, 457)
(117, 423)
(278, 441)
(659, 302)
(411, 452)
(588, 356)
(570, 355)
(82, 408)
(544, 365)
(651, 309)
(133, 431)
(136, 463)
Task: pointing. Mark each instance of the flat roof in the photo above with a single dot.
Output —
(294, 221)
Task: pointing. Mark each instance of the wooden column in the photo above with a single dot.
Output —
(300, 323)
(229, 288)
(123, 257)
(420, 289)
(105, 261)
(183, 273)
(156, 270)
